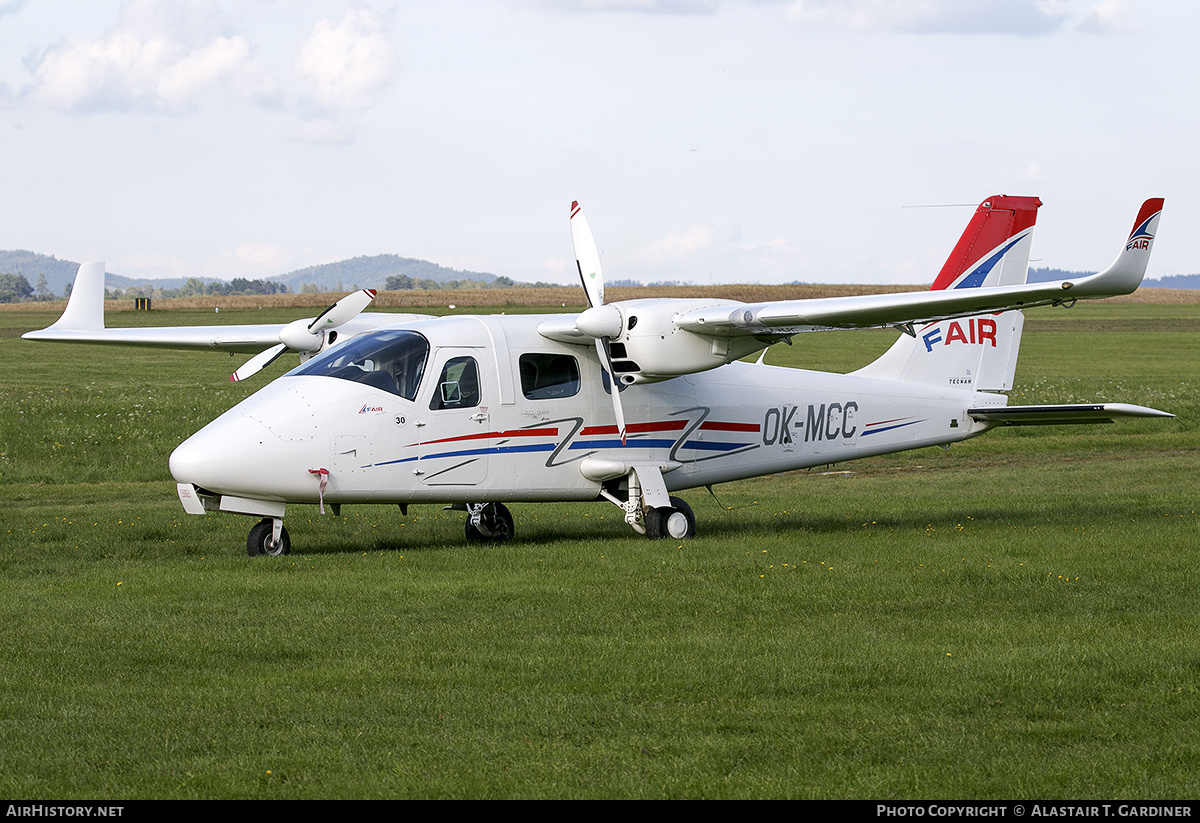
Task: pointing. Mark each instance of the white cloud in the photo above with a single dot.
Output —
(1110, 16)
(1019, 17)
(679, 247)
(170, 56)
(680, 7)
(159, 56)
(347, 65)
(702, 251)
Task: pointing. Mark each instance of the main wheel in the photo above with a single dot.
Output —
(260, 542)
(675, 521)
(495, 525)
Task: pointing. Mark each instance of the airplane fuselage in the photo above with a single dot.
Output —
(498, 412)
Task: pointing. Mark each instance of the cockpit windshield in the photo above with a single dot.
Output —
(393, 361)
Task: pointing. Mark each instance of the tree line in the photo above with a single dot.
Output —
(15, 288)
(195, 287)
(401, 282)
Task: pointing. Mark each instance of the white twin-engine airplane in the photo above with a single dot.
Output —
(477, 411)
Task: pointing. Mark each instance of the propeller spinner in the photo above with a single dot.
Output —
(598, 321)
(305, 336)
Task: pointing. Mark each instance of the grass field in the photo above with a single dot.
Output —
(1015, 617)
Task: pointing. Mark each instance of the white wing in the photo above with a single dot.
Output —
(83, 322)
(878, 310)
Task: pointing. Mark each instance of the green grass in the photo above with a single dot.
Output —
(1010, 618)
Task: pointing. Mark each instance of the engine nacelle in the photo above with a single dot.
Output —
(651, 348)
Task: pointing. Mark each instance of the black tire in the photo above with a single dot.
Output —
(496, 525)
(259, 541)
(675, 521)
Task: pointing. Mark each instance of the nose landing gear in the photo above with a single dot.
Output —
(488, 523)
(268, 537)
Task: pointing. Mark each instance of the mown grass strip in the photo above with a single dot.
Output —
(1013, 617)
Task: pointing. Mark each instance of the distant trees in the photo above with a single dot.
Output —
(400, 282)
(42, 292)
(14, 288)
(195, 287)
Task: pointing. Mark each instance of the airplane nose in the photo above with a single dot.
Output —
(261, 448)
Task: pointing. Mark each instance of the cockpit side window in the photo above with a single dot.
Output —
(458, 385)
(548, 376)
(393, 361)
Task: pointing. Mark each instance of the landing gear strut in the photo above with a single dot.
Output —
(265, 539)
(648, 509)
(488, 523)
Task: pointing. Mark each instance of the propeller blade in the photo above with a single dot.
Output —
(606, 361)
(345, 309)
(258, 362)
(303, 336)
(597, 321)
(587, 259)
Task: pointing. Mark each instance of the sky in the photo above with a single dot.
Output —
(708, 141)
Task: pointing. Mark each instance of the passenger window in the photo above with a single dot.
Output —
(549, 376)
(458, 386)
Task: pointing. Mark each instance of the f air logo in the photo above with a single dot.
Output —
(977, 331)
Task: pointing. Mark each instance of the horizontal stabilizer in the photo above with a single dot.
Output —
(1061, 415)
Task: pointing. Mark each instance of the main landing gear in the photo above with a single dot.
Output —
(647, 507)
(675, 521)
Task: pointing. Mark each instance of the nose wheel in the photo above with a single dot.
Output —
(263, 540)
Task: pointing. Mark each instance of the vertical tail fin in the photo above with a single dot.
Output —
(973, 352)
(994, 249)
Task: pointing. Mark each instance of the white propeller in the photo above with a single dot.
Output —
(258, 362)
(598, 320)
(308, 336)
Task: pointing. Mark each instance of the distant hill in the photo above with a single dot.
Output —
(61, 273)
(1173, 281)
(361, 272)
(31, 266)
(373, 272)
